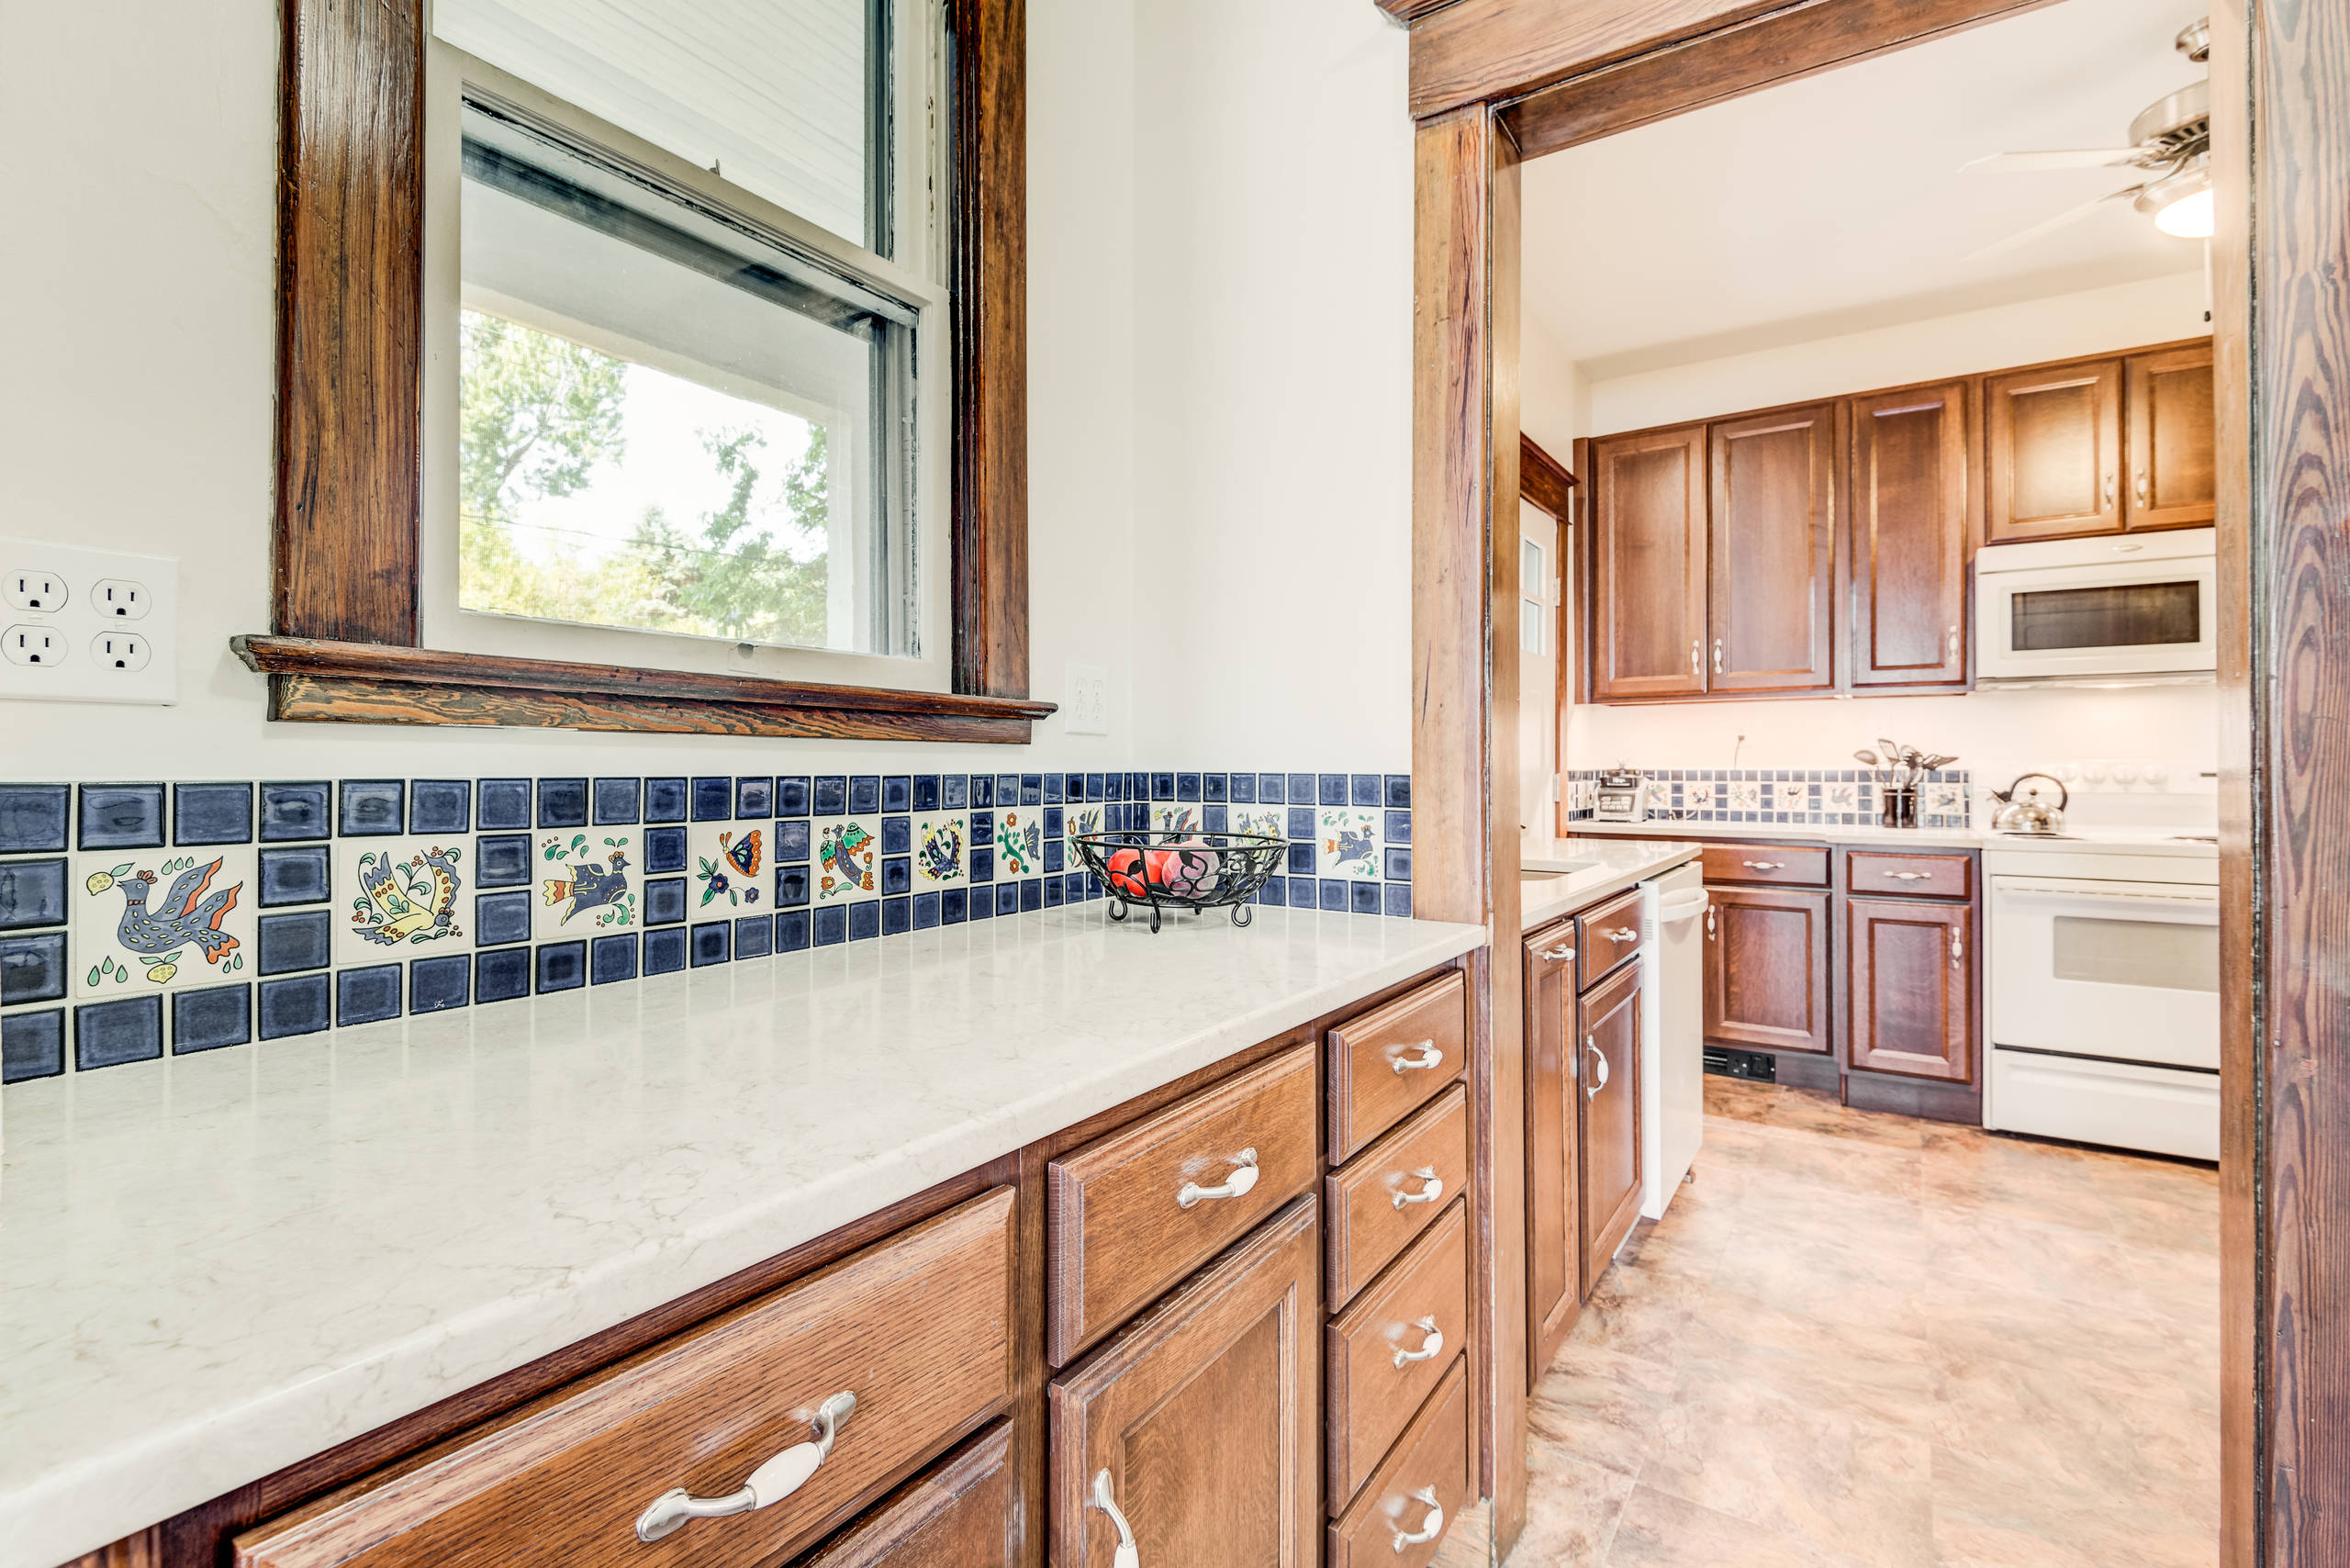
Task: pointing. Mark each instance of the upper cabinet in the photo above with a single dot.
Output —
(1911, 535)
(1649, 563)
(1773, 562)
(2052, 452)
(2174, 472)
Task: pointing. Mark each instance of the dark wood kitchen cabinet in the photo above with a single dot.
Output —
(1649, 563)
(1912, 491)
(1554, 1162)
(2052, 452)
(1608, 1104)
(2174, 466)
(1766, 968)
(1910, 972)
(1773, 557)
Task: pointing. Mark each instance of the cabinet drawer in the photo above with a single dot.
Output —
(1428, 1472)
(1606, 936)
(1386, 1064)
(1794, 866)
(917, 1327)
(963, 1514)
(1393, 1191)
(1131, 1213)
(1870, 874)
(1417, 1310)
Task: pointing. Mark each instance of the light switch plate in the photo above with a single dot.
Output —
(1086, 709)
(80, 625)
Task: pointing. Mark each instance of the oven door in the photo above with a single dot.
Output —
(2124, 971)
(2112, 618)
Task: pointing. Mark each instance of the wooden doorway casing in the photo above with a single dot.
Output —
(1493, 81)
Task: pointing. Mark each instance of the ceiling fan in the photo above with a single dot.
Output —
(2171, 140)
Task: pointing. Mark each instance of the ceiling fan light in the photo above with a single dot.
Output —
(2181, 204)
(2189, 218)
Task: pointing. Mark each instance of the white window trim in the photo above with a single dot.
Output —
(920, 172)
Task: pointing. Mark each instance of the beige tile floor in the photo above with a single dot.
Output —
(1866, 1341)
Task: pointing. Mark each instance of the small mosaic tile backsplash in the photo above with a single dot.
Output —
(1797, 797)
(145, 917)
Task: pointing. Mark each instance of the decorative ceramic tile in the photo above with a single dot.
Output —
(1175, 819)
(942, 850)
(1348, 843)
(848, 854)
(1258, 819)
(402, 898)
(146, 921)
(587, 882)
(1020, 842)
(1082, 820)
(1842, 796)
(729, 868)
(1941, 800)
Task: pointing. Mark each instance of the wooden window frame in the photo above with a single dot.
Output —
(344, 595)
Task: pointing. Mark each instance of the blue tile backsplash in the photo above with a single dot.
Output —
(1795, 797)
(144, 919)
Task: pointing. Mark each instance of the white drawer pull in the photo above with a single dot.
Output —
(1105, 1499)
(773, 1482)
(1911, 876)
(1766, 865)
(1561, 954)
(1431, 1524)
(1237, 1185)
(1428, 1195)
(1431, 1347)
(1622, 934)
(1590, 1090)
(1429, 1057)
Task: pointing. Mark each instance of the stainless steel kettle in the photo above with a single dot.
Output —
(2025, 811)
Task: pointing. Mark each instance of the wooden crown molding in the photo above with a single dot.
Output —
(1544, 480)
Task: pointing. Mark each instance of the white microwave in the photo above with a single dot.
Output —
(2114, 609)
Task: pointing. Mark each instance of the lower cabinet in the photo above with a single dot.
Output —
(1609, 1136)
(1192, 1435)
(1553, 1202)
(1399, 1519)
(1766, 968)
(964, 1514)
(1912, 987)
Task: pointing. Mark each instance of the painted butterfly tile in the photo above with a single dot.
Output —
(730, 862)
(1020, 844)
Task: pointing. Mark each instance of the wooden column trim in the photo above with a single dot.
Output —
(349, 314)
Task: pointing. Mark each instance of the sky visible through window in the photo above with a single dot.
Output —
(606, 493)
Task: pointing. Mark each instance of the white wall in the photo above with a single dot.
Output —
(1272, 381)
(1554, 397)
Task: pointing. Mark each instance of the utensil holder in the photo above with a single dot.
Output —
(1900, 806)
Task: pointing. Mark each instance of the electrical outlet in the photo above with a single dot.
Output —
(1086, 710)
(88, 626)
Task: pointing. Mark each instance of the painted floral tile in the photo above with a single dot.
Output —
(152, 920)
(402, 898)
(1791, 795)
(1269, 820)
(1082, 820)
(727, 868)
(1698, 795)
(848, 857)
(586, 880)
(942, 851)
(1745, 795)
(1020, 842)
(1349, 844)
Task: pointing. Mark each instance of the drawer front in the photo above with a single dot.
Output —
(1794, 865)
(1606, 935)
(1428, 1472)
(1394, 1191)
(1133, 1212)
(1871, 874)
(964, 1513)
(1387, 1353)
(1385, 1065)
(917, 1327)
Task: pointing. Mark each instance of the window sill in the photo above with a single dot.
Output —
(318, 681)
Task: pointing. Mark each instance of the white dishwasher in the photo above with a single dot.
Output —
(1673, 1033)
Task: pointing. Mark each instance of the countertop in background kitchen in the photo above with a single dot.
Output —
(214, 1265)
(1563, 876)
(2142, 840)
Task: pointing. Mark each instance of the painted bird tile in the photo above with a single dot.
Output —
(148, 919)
(848, 856)
(586, 882)
(1349, 844)
(402, 898)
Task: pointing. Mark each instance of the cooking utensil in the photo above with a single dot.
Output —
(2026, 814)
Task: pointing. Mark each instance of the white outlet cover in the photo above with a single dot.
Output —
(82, 622)
(1085, 709)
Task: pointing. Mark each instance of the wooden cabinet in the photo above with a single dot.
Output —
(2052, 452)
(1387, 1063)
(1400, 1518)
(1200, 1422)
(1385, 1354)
(1649, 563)
(1607, 934)
(1912, 535)
(1553, 1162)
(1766, 968)
(964, 1514)
(1379, 1202)
(1609, 1020)
(2173, 467)
(1772, 561)
(1911, 987)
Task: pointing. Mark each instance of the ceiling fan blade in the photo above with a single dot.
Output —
(2075, 158)
(2063, 220)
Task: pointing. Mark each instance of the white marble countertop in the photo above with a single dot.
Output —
(2147, 840)
(212, 1265)
(1544, 895)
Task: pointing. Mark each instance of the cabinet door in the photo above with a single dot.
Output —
(1553, 1241)
(1773, 552)
(1609, 1105)
(964, 1514)
(1200, 1422)
(1766, 968)
(1912, 983)
(1911, 535)
(2053, 452)
(1648, 564)
(2174, 469)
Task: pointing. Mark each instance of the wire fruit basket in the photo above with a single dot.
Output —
(1181, 868)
